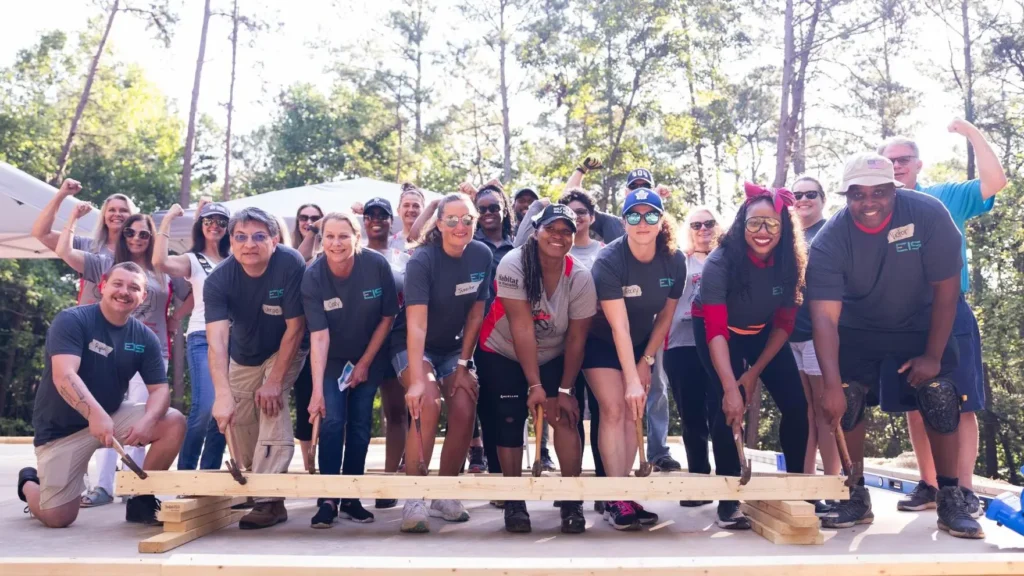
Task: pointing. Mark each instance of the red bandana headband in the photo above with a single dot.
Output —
(780, 197)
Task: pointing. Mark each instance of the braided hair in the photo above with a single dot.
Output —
(508, 220)
(533, 276)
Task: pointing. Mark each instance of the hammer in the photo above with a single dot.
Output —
(744, 462)
(853, 473)
(645, 467)
(128, 460)
(422, 467)
(236, 472)
(312, 444)
(538, 423)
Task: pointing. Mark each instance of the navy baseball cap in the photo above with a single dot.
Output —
(640, 174)
(523, 191)
(215, 209)
(381, 203)
(555, 212)
(644, 196)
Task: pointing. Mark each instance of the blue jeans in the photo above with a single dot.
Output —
(349, 422)
(201, 428)
(657, 411)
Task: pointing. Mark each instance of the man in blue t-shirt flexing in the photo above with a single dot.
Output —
(965, 200)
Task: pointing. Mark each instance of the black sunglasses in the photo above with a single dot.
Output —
(813, 194)
(652, 217)
(709, 224)
(378, 215)
(492, 208)
(132, 232)
(213, 220)
(307, 218)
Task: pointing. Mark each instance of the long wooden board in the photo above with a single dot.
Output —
(779, 525)
(491, 487)
(187, 504)
(218, 503)
(776, 538)
(165, 541)
(769, 508)
(197, 521)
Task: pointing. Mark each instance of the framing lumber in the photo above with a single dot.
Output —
(197, 521)
(218, 503)
(189, 504)
(776, 512)
(780, 526)
(489, 487)
(777, 538)
(169, 540)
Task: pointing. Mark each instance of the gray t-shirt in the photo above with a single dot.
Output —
(88, 292)
(573, 299)
(681, 332)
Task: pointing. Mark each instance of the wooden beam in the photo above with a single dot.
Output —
(769, 508)
(198, 521)
(165, 541)
(776, 524)
(219, 503)
(489, 487)
(777, 538)
(188, 504)
(81, 566)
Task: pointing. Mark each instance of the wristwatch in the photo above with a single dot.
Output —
(566, 391)
(467, 363)
(649, 359)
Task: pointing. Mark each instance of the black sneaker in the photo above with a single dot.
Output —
(972, 501)
(573, 521)
(477, 460)
(325, 515)
(142, 510)
(24, 476)
(953, 515)
(599, 506)
(646, 518)
(921, 498)
(546, 461)
(849, 513)
(385, 503)
(821, 507)
(694, 503)
(621, 515)
(667, 464)
(247, 505)
(352, 509)
(517, 519)
(730, 517)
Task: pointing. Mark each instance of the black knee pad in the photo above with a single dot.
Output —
(939, 403)
(856, 396)
(510, 418)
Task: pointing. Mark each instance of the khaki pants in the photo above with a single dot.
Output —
(265, 444)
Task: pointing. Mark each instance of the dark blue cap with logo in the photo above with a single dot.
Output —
(381, 203)
(642, 196)
(640, 174)
(555, 212)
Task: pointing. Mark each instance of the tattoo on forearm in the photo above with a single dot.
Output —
(72, 393)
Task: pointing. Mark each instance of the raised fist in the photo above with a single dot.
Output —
(70, 187)
(591, 163)
(357, 208)
(175, 211)
(81, 210)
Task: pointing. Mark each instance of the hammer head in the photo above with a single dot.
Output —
(236, 473)
(134, 467)
(645, 470)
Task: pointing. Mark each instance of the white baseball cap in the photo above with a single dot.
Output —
(867, 169)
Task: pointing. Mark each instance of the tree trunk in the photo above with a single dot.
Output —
(226, 194)
(782, 141)
(506, 129)
(702, 185)
(968, 83)
(609, 94)
(185, 194)
(65, 150)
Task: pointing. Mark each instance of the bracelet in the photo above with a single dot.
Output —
(581, 169)
(566, 391)
(164, 234)
(530, 389)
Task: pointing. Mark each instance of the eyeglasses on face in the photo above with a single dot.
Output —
(489, 208)
(210, 221)
(258, 237)
(132, 233)
(453, 221)
(377, 215)
(755, 223)
(652, 217)
(639, 184)
(709, 224)
(809, 195)
(902, 160)
(308, 218)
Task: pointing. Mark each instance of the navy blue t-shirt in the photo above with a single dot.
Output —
(749, 306)
(802, 324)
(111, 355)
(256, 307)
(885, 279)
(449, 287)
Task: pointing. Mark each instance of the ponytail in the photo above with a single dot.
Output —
(532, 274)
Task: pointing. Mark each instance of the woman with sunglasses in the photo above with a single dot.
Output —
(203, 444)
(135, 244)
(695, 399)
(447, 284)
(303, 239)
(639, 279)
(809, 209)
(304, 232)
(742, 318)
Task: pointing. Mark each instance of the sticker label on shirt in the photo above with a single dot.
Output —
(467, 288)
(272, 310)
(901, 233)
(631, 291)
(332, 304)
(100, 348)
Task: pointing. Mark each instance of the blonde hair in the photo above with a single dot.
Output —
(341, 217)
(101, 235)
(687, 237)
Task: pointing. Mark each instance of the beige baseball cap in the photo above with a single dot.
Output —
(867, 169)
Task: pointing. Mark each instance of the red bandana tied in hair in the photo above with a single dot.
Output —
(780, 197)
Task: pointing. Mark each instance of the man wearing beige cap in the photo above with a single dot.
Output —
(883, 280)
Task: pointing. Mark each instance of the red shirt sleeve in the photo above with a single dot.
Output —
(716, 320)
(784, 318)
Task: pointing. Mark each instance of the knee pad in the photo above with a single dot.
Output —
(509, 419)
(939, 403)
(856, 395)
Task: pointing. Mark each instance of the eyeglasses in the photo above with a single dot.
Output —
(453, 221)
(378, 215)
(582, 212)
(813, 194)
(652, 217)
(755, 223)
(210, 221)
(258, 237)
(490, 208)
(132, 233)
(639, 184)
(903, 160)
(308, 218)
(709, 224)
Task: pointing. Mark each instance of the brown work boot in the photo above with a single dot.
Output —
(264, 515)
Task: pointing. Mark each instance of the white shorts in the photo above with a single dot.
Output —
(806, 359)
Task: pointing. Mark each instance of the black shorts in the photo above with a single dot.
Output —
(600, 353)
(303, 390)
(504, 387)
(864, 354)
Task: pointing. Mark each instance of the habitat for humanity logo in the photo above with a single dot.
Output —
(279, 293)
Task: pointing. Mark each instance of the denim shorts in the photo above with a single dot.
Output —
(444, 366)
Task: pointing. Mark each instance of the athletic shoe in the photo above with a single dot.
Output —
(953, 515)
(142, 510)
(450, 510)
(849, 513)
(264, 515)
(414, 517)
(325, 515)
(385, 503)
(599, 506)
(573, 521)
(921, 498)
(821, 507)
(546, 461)
(730, 517)
(667, 464)
(24, 476)
(517, 519)
(972, 501)
(477, 460)
(498, 503)
(694, 503)
(352, 509)
(646, 518)
(621, 515)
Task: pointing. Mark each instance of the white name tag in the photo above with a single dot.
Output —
(100, 348)
(272, 310)
(466, 288)
(901, 233)
(332, 304)
(631, 291)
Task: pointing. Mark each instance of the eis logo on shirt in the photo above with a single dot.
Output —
(665, 282)
(137, 348)
(279, 293)
(371, 294)
(776, 290)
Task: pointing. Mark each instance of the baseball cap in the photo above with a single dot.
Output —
(639, 174)
(644, 196)
(555, 212)
(215, 209)
(867, 169)
(522, 191)
(381, 203)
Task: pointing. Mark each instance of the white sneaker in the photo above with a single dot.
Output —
(450, 510)
(414, 517)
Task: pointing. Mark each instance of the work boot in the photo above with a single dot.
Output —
(24, 476)
(546, 461)
(414, 517)
(477, 460)
(573, 521)
(730, 517)
(849, 513)
(325, 515)
(953, 515)
(385, 503)
(921, 498)
(247, 505)
(352, 509)
(517, 519)
(142, 510)
(973, 502)
(667, 464)
(450, 510)
(264, 515)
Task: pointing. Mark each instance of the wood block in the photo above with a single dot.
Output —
(777, 538)
(169, 540)
(219, 503)
(767, 507)
(768, 520)
(197, 521)
(187, 504)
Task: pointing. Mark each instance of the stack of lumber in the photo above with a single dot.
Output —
(186, 519)
(784, 522)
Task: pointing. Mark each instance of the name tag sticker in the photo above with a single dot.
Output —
(100, 348)
(631, 291)
(901, 233)
(272, 310)
(332, 304)
(466, 288)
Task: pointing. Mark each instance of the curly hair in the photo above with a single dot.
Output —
(790, 253)
(508, 219)
(433, 235)
(579, 195)
(666, 241)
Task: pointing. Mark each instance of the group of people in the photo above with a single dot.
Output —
(505, 308)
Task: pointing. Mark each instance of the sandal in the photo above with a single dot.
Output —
(98, 496)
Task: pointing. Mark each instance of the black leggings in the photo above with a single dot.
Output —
(782, 380)
(696, 402)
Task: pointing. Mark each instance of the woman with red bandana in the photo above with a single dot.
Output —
(742, 318)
